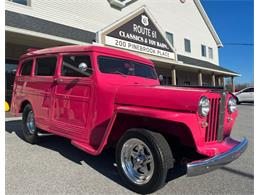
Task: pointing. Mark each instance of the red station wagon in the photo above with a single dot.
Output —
(97, 97)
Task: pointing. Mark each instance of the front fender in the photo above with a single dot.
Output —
(188, 118)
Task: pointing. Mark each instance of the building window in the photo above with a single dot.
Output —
(169, 36)
(22, 2)
(167, 80)
(45, 66)
(120, 3)
(186, 83)
(203, 51)
(210, 53)
(187, 45)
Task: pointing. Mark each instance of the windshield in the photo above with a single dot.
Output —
(124, 67)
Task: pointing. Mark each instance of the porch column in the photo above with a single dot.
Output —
(233, 84)
(200, 78)
(174, 82)
(213, 80)
(219, 81)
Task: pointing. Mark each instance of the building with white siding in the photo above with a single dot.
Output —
(188, 49)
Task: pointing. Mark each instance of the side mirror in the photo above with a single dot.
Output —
(160, 77)
(83, 67)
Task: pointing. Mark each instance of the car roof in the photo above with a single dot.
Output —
(85, 48)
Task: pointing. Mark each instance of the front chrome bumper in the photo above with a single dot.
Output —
(206, 165)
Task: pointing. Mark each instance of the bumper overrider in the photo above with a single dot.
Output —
(206, 165)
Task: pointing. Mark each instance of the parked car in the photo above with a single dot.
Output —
(245, 95)
(98, 97)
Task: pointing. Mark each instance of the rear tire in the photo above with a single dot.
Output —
(143, 159)
(29, 129)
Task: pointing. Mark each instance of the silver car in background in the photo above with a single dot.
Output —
(245, 95)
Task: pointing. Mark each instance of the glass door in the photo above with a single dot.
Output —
(10, 70)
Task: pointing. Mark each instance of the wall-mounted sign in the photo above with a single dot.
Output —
(140, 34)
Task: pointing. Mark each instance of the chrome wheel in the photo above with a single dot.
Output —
(30, 123)
(137, 161)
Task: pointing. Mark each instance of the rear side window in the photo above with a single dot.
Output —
(26, 68)
(45, 66)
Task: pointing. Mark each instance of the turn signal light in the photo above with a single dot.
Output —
(204, 124)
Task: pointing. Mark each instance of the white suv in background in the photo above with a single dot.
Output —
(245, 95)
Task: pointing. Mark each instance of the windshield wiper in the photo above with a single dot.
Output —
(118, 72)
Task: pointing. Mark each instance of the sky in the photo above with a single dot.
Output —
(234, 22)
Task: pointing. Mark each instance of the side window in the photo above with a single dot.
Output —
(26, 68)
(76, 66)
(45, 66)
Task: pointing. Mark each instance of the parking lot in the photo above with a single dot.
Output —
(56, 167)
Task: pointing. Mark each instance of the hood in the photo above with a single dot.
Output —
(163, 97)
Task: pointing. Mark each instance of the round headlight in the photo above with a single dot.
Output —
(232, 105)
(204, 106)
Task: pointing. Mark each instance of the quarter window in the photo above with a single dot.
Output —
(45, 66)
(26, 68)
(76, 66)
(187, 45)
(203, 51)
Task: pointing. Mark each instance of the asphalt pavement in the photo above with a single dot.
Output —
(56, 167)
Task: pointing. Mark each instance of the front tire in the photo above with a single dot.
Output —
(143, 159)
(29, 129)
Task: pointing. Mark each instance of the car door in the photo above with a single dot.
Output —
(72, 97)
(251, 95)
(41, 88)
(245, 95)
(20, 92)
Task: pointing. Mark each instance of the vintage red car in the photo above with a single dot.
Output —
(97, 96)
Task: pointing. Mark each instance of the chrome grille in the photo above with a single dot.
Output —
(213, 120)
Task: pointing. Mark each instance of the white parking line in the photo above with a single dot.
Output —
(13, 119)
